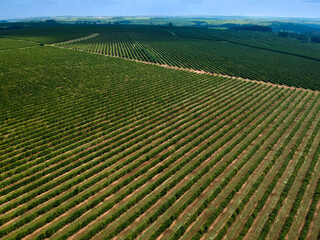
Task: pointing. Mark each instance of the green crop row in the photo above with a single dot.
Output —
(100, 160)
(198, 163)
(311, 212)
(179, 232)
(290, 181)
(272, 185)
(166, 154)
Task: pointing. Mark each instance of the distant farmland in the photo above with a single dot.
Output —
(274, 60)
(96, 147)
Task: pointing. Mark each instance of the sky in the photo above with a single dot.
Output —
(273, 8)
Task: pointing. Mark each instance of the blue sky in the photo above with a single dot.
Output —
(273, 8)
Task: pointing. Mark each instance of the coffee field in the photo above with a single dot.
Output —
(98, 147)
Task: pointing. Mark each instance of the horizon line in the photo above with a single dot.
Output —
(167, 16)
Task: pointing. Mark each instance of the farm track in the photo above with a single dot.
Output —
(185, 156)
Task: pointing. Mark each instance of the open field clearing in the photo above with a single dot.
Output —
(96, 147)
